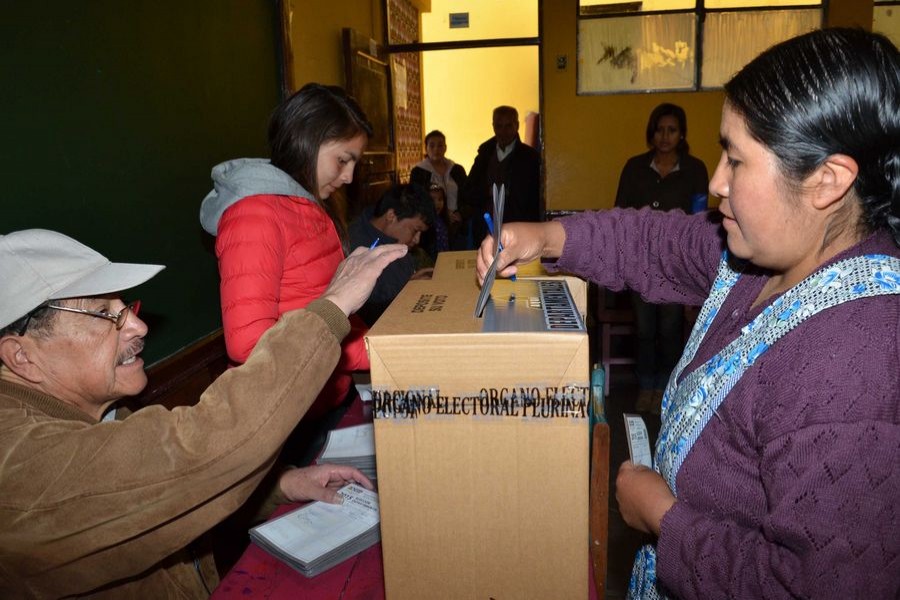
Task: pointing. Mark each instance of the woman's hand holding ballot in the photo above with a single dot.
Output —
(644, 497)
(522, 243)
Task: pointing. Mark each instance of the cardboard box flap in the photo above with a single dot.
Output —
(461, 264)
(452, 362)
(447, 307)
(434, 306)
(459, 267)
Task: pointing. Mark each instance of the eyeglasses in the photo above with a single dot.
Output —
(118, 318)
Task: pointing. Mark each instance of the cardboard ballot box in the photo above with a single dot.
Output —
(481, 436)
(460, 266)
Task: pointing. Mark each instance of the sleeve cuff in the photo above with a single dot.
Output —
(334, 317)
(562, 263)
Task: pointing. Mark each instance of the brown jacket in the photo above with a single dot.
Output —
(108, 509)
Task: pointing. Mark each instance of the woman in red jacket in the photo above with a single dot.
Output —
(277, 243)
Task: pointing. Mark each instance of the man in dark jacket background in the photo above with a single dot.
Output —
(504, 160)
(401, 216)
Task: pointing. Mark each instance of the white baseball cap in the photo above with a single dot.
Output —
(37, 265)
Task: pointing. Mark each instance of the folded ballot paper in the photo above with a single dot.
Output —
(318, 536)
(353, 446)
(638, 440)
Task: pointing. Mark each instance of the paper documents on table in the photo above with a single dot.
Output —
(354, 446)
(638, 440)
(318, 536)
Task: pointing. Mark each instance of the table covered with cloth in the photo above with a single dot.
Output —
(258, 574)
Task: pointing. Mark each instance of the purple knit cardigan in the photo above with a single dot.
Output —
(793, 488)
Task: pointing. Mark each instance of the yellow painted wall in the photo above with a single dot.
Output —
(887, 22)
(462, 87)
(487, 19)
(587, 139)
(315, 27)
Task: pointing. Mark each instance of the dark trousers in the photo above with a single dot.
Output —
(660, 332)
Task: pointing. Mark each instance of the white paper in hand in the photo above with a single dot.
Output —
(638, 440)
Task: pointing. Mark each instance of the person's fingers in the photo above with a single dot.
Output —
(363, 481)
(342, 475)
(484, 258)
(356, 275)
(504, 266)
(329, 495)
(425, 273)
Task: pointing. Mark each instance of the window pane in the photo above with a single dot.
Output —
(759, 3)
(886, 20)
(486, 20)
(618, 54)
(723, 57)
(593, 7)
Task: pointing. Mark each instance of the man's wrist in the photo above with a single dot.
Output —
(336, 319)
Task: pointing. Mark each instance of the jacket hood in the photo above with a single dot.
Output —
(236, 179)
(426, 164)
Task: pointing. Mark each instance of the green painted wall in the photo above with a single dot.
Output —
(113, 115)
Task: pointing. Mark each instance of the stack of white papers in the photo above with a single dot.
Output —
(318, 536)
(354, 446)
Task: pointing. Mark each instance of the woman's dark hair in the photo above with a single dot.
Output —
(315, 115)
(435, 133)
(667, 109)
(831, 91)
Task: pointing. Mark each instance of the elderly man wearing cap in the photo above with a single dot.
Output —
(110, 508)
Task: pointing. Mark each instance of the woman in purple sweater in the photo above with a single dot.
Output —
(775, 473)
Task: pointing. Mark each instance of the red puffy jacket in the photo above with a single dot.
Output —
(279, 253)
